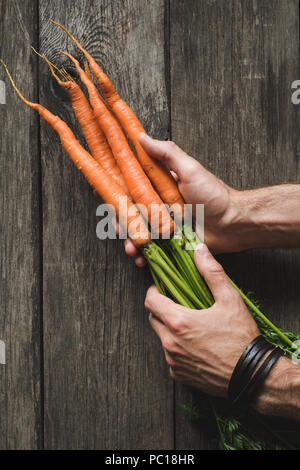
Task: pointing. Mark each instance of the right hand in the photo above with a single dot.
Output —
(197, 186)
(202, 347)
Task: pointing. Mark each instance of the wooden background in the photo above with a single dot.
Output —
(84, 369)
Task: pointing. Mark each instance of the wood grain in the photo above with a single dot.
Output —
(106, 382)
(20, 320)
(84, 369)
(232, 65)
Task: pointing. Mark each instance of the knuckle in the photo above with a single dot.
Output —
(177, 324)
(171, 145)
(149, 299)
(215, 268)
(147, 304)
(192, 168)
(168, 344)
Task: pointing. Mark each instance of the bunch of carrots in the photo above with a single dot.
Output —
(115, 171)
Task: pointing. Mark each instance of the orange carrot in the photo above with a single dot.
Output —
(93, 134)
(158, 174)
(98, 178)
(137, 182)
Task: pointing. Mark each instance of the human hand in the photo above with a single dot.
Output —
(197, 186)
(202, 347)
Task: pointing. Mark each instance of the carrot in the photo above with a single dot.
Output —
(158, 174)
(93, 134)
(98, 178)
(137, 182)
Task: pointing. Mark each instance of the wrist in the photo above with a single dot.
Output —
(231, 229)
(280, 393)
(242, 223)
(262, 218)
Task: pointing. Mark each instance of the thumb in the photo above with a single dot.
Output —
(171, 155)
(213, 274)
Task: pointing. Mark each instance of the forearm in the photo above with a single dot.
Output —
(264, 218)
(280, 395)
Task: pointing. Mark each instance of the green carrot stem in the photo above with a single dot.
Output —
(154, 253)
(190, 262)
(166, 258)
(189, 278)
(174, 291)
(183, 286)
(256, 310)
(181, 265)
(192, 273)
(188, 254)
(155, 257)
(157, 282)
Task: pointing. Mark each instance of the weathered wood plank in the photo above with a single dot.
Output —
(20, 378)
(106, 383)
(232, 65)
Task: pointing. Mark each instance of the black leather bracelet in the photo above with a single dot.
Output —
(233, 383)
(244, 383)
(263, 371)
(246, 365)
(248, 372)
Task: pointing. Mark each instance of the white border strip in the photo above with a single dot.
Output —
(2, 92)
(2, 352)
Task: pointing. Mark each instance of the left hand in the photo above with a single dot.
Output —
(202, 347)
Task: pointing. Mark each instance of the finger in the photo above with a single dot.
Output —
(171, 155)
(171, 373)
(167, 340)
(174, 359)
(213, 274)
(140, 261)
(130, 249)
(160, 329)
(164, 309)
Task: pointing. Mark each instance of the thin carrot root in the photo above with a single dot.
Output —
(104, 82)
(67, 75)
(43, 56)
(66, 84)
(28, 103)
